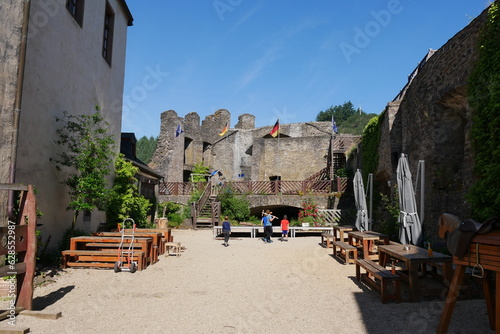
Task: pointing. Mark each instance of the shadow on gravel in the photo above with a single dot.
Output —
(40, 303)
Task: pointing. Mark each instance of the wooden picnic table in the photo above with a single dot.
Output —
(166, 232)
(340, 230)
(414, 257)
(156, 238)
(80, 243)
(367, 239)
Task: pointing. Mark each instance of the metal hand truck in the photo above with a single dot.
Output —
(126, 254)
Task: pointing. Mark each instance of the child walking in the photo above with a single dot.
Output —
(284, 228)
(226, 230)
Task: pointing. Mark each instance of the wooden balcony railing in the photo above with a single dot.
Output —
(262, 187)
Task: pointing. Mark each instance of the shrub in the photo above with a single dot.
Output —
(124, 200)
(388, 214)
(309, 214)
(236, 208)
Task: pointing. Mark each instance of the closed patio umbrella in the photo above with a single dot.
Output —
(360, 199)
(410, 227)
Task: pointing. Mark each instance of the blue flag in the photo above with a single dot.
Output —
(334, 126)
(178, 131)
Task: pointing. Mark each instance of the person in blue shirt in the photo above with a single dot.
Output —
(226, 230)
(268, 226)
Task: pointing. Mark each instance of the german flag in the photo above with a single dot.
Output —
(224, 131)
(276, 129)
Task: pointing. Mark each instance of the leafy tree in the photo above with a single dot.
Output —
(355, 124)
(339, 112)
(87, 150)
(348, 119)
(124, 199)
(146, 148)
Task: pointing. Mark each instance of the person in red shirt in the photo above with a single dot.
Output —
(284, 228)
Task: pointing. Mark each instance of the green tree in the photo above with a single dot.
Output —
(124, 199)
(87, 150)
(348, 119)
(146, 148)
(355, 124)
(340, 112)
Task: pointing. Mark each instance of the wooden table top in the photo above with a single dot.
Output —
(111, 238)
(413, 254)
(366, 235)
(136, 234)
(344, 227)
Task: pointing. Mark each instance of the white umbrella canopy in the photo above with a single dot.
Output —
(360, 199)
(410, 227)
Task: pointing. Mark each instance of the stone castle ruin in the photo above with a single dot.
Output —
(246, 153)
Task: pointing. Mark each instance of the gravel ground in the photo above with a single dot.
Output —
(248, 287)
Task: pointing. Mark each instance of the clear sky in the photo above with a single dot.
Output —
(275, 58)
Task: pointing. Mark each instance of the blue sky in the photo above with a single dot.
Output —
(277, 59)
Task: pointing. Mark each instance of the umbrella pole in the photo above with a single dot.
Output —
(370, 218)
(422, 189)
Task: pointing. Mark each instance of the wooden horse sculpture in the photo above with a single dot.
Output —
(476, 245)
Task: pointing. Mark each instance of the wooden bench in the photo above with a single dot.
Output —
(328, 238)
(98, 258)
(344, 251)
(379, 278)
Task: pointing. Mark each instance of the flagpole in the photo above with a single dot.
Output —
(279, 168)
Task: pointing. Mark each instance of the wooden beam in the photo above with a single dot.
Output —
(4, 315)
(13, 186)
(14, 330)
(42, 315)
(18, 268)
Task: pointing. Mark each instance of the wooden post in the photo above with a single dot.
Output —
(25, 280)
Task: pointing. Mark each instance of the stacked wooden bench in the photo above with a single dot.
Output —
(98, 258)
(344, 251)
(327, 239)
(379, 278)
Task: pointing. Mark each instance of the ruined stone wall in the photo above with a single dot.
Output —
(293, 158)
(299, 152)
(166, 157)
(432, 124)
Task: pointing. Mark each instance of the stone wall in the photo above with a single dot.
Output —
(432, 123)
(11, 17)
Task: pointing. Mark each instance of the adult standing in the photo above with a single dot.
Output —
(268, 225)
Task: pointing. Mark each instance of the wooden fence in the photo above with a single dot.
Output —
(312, 187)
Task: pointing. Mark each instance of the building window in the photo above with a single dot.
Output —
(107, 40)
(75, 8)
